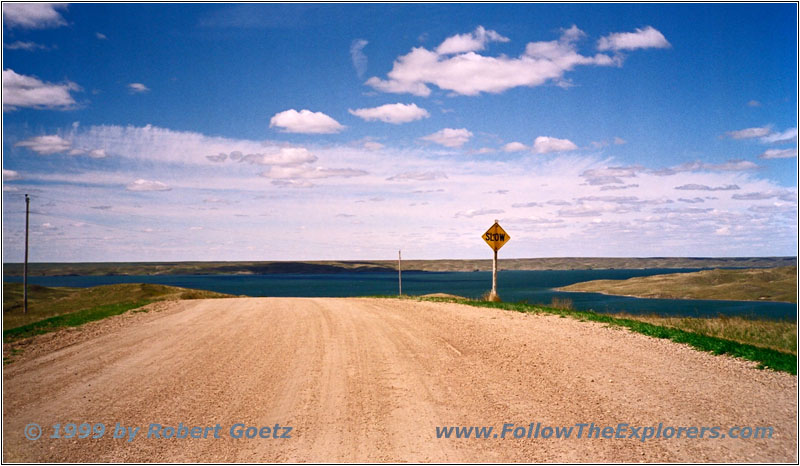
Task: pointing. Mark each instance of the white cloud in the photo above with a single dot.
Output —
(100, 36)
(749, 133)
(10, 175)
(372, 145)
(790, 135)
(609, 175)
(643, 38)
(285, 156)
(358, 57)
(392, 113)
(731, 166)
(779, 154)
(305, 121)
(299, 176)
(147, 185)
(477, 212)
(546, 145)
(97, 153)
(470, 73)
(55, 144)
(33, 15)
(46, 145)
(21, 45)
(27, 91)
(306, 172)
(514, 147)
(450, 137)
(469, 42)
(702, 187)
(417, 176)
(138, 88)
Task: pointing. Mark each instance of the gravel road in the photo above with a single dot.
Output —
(370, 380)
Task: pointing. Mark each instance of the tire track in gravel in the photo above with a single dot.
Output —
(369, 380)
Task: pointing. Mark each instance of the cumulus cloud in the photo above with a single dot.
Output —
(514, 147)
(790, 135)
(477, 212)
(779, 154)
(147, 185)
(642, 38)
(55, 144)
(30, 92)
(46, 145)
(469, 42)
(749, 133)
(450, 137)
(392, 113)
(10, 175)
(33, 15)
(546, 145)
(470, 73)
(305, 121)
(358, 57)
(138, 88)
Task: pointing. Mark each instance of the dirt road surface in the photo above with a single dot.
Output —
(370, 380)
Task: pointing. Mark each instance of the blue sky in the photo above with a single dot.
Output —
(299, 132)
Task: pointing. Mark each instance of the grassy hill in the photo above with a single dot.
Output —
(44, 302)
(776, 284)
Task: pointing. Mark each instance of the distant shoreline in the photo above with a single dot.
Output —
(42, 269)
(775, 285)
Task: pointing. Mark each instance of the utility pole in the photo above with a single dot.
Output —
(25, 267)
(400, 272)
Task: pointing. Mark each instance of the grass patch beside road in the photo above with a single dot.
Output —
(50, 309)
(72, 319)
(695, 333)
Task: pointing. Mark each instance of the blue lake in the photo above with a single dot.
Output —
(535, 287)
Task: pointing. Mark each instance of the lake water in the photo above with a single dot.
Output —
(535, 287)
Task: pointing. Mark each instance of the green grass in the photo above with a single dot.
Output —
(44, 302)
(51, 309)
(72, 319)
(765, 357)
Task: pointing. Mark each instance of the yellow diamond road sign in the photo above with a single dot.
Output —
(496, 237)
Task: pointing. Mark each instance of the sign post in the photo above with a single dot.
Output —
(495, 237)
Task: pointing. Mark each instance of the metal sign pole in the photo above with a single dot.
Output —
(495, 237)
(494, 275)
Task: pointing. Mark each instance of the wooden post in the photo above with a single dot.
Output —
(399, 273)
(25, 267)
